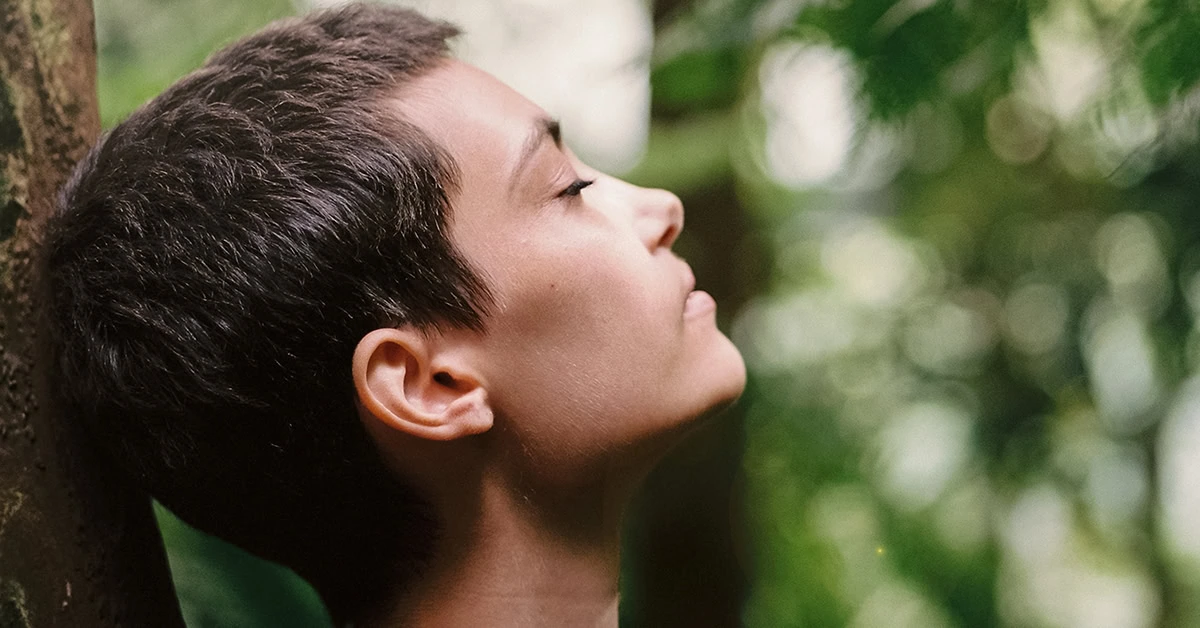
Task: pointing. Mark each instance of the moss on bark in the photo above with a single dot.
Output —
(78, 544)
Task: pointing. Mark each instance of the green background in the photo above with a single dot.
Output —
(972, 343)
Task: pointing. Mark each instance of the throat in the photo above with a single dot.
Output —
(506, 562)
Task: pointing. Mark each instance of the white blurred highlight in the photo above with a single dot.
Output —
(922, 450)
(585, 62)
(1070, 71)
(1051, 576)
(1179, 474)
(874, 266)
(1122, 368)
(808, 95)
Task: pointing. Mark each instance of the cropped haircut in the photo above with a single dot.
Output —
(213, 264)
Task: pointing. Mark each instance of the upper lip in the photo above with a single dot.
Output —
(689, 279)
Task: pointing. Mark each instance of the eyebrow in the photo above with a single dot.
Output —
(542, 128)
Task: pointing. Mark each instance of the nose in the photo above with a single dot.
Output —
(658, 217)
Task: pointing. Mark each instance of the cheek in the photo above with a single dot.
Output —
(587, 357)
(601, 303)
(591, 324)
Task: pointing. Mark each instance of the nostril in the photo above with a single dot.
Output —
(659, 214)
(669, 236)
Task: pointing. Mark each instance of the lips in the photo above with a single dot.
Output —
(689, 279)
(696, 302)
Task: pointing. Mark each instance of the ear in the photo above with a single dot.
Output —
(420, 384)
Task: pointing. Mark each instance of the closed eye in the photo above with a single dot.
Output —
(575, 188)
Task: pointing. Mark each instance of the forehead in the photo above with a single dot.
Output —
(481, 121)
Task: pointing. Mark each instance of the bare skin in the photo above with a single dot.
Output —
(530, 437)
(504, 565)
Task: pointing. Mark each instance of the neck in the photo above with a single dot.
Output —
(521, 558)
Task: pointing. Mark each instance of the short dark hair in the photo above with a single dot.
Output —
(214, 262)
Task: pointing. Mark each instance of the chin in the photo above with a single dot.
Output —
(729, 378)
(716, 387)
(719, 385)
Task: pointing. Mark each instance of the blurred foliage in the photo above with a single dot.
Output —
(698, 81)
(144, 45)
(970, 400)
(903, 48)
(973, 396)
(1165, 40)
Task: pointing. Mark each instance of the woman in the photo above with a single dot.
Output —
(351, 305)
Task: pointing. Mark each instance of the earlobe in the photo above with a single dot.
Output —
(415, 383)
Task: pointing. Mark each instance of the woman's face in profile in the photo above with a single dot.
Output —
(598, 343)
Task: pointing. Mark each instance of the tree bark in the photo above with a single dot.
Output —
(78, 544)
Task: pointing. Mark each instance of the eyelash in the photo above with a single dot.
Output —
(576, 188)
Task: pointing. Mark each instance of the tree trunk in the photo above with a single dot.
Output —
(78, 545)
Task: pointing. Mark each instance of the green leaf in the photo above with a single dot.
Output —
(1169, 46)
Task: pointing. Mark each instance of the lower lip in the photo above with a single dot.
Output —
(698, 303)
